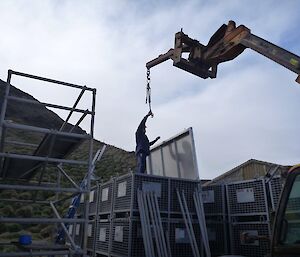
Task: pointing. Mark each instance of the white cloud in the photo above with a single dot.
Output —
(249, 111)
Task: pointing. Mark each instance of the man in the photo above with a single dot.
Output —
(142, 144)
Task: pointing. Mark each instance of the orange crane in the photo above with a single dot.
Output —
(227, 43)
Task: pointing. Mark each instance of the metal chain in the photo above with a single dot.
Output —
(148, 90)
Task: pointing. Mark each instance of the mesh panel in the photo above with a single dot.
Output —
(93, 201)
(247, 197)
(179, 240)
(105, 197)
(217, 236)
(120, 238)
(122, 193)
(91, 235)
(213, 199)
(137, 244)
(102, 237)
(189, 187)
(127, 238)
(257, 248)
(148, 183)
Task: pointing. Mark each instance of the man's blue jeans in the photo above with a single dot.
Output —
(141, 162)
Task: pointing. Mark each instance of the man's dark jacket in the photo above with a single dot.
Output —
(142, 141)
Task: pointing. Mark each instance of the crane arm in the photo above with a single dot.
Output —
(227, 43)
(273, 52)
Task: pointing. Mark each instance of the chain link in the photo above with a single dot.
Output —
(148, 90)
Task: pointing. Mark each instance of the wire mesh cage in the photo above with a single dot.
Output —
(247, 197)
(106, 197)
(186, 186)
(119, 230)
(214, 200)
(93, 197)
(217, 231)
(121, 237)
(251, 248)
(127, 237)
(91, 234)
(123, 193)
(179, 240)
(102, 237)
(127, 186)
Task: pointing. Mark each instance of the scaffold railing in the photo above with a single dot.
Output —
(26, 171)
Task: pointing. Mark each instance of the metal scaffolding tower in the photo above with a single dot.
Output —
(25, 171)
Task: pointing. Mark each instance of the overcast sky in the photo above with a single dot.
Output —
(251, 110)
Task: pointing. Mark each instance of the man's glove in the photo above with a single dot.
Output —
(150, 113)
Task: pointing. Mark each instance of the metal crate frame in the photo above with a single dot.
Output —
(123, 203)
(134, 182)
(183, 248)
(124, 212)
(218, 241)
(257, 206)
(93, 205)
(121, 237)
(257, 249)
(218, 205)
(91, 239)
(189, 187)
(102, 247)
(129, 241)
(105, 206)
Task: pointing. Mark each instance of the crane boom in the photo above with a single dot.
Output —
(227, 43)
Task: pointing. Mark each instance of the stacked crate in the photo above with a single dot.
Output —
(102, 236)
(179, 240)
(186, 186)
(127, 186)
(119, 231)
(178, 235)
(248, 214)
(92, 226)
(105, 198)
(78, 229)
(127, 237)
(91, 235)
(214, 202)
(93, 199)
(103, 218)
